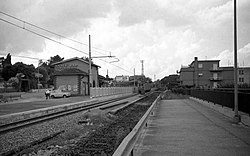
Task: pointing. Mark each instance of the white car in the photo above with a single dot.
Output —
(59, 93)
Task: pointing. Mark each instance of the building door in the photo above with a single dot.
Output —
(83, 88)
(215, 85)
(215, 76)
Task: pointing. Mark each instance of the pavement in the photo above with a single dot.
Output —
(35, 101)
(185, 127)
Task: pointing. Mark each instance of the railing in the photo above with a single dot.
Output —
(223, 98)
(215, 78)
(106, 91)
(215, 69)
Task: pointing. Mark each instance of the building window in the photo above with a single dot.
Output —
(215, 66)
(241, 79)
(241, 72)
(200, 65)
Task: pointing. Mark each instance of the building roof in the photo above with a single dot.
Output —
(75, 58)
(70, 71)
(200, 61)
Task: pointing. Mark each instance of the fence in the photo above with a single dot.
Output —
(223, 98)
(106, 91)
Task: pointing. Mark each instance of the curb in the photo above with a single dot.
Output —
(126, 146)
(48, 110)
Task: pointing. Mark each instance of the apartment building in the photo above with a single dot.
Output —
(208, 74)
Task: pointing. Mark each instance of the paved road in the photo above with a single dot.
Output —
(184, 127)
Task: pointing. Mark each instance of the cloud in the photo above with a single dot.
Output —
(165, 34)
(61, 16)
(227, 57)
(139, 11)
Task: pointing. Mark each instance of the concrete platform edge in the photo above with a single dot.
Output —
(245, 118)
(48, 110)
(128, 143)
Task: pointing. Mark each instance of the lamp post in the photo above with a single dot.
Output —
(236, 114)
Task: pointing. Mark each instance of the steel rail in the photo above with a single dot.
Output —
(31, 121)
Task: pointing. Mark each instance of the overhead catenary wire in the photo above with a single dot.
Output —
(43, 36)
(21, 56)
(46, 30)
(116, 66)
(48, 38)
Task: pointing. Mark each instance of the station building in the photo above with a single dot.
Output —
(73, 75)
(208, 74)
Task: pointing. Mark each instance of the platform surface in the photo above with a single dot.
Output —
(185, 127)
(23, 105)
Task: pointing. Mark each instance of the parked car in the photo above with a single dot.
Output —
(59, 93)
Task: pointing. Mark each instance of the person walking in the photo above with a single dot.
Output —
(47, 94)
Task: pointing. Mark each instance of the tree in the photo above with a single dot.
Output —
(50, 69)
(148, 79)
(8, 72)
(14, 81)
(55, 59)
(7, 61)
(27, 70)
(44, 71)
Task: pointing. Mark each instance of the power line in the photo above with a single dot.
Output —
(42, 36)
(46, 30)
(50, 38)
(34, 58)
(116, 66)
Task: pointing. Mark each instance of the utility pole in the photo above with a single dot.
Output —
(236, 114)
(38, 77)
(134, 77)
(90, 71)
(142, 68)
(90, 62)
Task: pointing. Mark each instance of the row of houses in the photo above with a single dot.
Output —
(73, 75)
(208, 74)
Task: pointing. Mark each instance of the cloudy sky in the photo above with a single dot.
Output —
(164, 33)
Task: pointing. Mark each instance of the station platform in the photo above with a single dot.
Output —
(34, 106)
(185, 127)
(33, 101)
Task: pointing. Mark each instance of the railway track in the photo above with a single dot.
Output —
(31, 121)
(105, 140)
